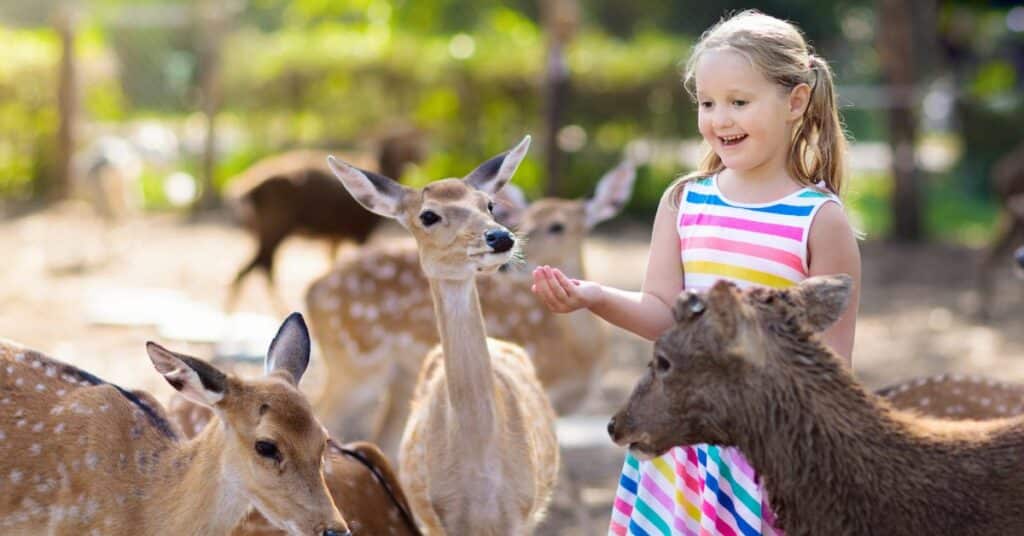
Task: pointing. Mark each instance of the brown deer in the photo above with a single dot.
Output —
(479, 453)
(376, 343)
(360, 479)
(295, 192)
(749, 369)
(1008, 185)
(94, 458)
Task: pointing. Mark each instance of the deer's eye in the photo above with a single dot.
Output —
(429, 217)
(490, 207)
(661, 365)
(556, 228)
(268, 449)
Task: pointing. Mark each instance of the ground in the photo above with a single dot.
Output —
(63, 270)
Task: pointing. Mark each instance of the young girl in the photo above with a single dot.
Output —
(763, 209)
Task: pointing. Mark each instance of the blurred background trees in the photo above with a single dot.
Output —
(271, 75)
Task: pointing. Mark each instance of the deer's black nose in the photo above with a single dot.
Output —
(499, 240)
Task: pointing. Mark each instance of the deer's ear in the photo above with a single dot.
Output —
(376, 193)
(194, 378)
(689, 305)
(289, 351)
(611, 194)
(509, 205)
(492, 175)
(724, 306)
(824, 299)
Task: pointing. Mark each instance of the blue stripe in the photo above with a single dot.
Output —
(711, 199)
(628, 484)
(725, 500)
(635, 529)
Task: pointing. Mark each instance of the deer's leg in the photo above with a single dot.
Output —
(1011, 229)
(263, 260)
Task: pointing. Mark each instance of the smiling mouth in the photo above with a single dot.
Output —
(730, 141)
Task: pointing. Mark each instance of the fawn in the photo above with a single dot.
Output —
(479, 453)
(95, 458)
(376, 342)
(747, 369)
(360, 479)
(295, 192)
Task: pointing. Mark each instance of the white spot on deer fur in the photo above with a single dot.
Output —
(35, 449)
(924, 401)
(51, 371)
(104, 407)
(40, 387)
(386, 271)
(5, 401)
(355, 310)
(19, 382)
(36, 363)
(21, 423)
(19, 357)
(16, 476)
(986, 401)
(10, 369)
(61, 392)
(38, 427)
(92, 460)
(3, 436)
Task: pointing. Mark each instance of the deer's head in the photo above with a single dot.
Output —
(450, 219)
(719, 356)
(273, 447)
(554, 229)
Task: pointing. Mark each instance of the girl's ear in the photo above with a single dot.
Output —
(799, 99)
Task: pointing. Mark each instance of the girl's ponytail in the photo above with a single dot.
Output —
(819, 143)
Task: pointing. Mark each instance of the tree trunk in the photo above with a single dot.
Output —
(67, 104)
(896, 53)
(561, 18)
(212, 27)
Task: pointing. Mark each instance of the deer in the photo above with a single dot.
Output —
(295, 192)
(1008, 185)
(359, 477)
(957, 396)
(375, 344)
(95, 458)
(749, 369)
(479, 453)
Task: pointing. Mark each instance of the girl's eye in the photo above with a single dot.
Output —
(268, 449)
(739, 102)
(705, 104)
(429, 217)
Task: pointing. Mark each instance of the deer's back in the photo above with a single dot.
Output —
(81, 443)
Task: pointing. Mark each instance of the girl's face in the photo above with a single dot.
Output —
(746, 118)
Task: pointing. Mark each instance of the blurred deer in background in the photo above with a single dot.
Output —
(957, 396)
(1008, 184)
(96, 459)
(374, 319)
(479, 453)
(295, 192)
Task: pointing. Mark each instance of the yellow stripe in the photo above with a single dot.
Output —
(670, 476)
(665, 470)
(691, 509)
(737, 272)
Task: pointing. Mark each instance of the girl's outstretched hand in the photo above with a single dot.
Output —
(561, 294)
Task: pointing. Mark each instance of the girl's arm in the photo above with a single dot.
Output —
(832, 249)
(646, 313)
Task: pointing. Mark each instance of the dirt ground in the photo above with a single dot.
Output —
(62, 268)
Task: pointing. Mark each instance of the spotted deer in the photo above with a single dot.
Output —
(957, 396)
(359, 477)
(374, 320)
(93, 458)
(749, 369)
(479, 453)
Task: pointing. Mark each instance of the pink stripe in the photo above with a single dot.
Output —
(682, 470)
(723, 528)
(754, 250)
(624, 507)
(618, 529)
(679, 524)
(785, 231)
(657, 493)
(709, 513)
(740, 462)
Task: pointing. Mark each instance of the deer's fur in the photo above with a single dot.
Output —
(373, 315)
(295, 192)
(479, 453)
(957, 396)
(361, 494)
(87, 457)
(748, 369)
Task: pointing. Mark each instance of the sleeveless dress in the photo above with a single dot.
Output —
(702, 490)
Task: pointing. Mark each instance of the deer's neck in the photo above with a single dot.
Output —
(468, 375)
(195, 496)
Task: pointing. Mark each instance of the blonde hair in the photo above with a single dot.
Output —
(779, 51)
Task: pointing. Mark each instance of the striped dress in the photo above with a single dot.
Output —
(710, 489)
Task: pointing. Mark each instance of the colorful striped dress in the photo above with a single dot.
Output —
(710, 489)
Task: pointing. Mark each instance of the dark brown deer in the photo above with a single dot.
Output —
(748, 369)
(1008, 185)
(296, 192)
